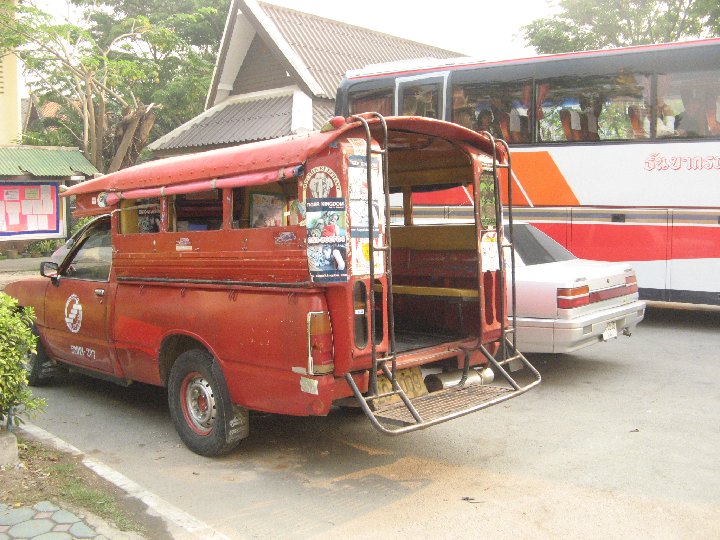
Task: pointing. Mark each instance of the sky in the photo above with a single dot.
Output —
(479, 28)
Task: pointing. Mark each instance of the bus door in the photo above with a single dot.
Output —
(422, 95)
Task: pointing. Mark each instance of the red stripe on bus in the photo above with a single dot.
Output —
(618, 242)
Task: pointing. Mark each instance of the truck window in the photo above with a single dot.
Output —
(140, 216)
(93, 259)
(201, 211)
(272, 205)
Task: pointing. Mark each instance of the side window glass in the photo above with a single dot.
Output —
(421, 100)
(93, 258)
(201, 211)
(688, 104)
(139, 216)
(371, 101)
(499, 108)
(273, 205)
(594, 108)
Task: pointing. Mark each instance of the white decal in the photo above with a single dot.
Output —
(309, 386)
(84, 352)
(73, 313)
(322, 182)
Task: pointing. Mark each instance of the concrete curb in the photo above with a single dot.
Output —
(181, 525)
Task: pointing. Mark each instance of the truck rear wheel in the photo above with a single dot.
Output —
(40, 368)
(200, 404)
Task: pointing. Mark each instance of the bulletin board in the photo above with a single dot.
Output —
(29, 208)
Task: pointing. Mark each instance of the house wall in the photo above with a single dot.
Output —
(261, 70)
(10, 127)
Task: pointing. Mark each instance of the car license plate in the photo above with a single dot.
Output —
(610, 331)
(409, 379)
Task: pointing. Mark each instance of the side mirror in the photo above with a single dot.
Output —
(50, 270)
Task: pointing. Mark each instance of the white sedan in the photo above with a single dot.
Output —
(565, 303)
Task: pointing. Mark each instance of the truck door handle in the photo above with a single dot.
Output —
(99, 292)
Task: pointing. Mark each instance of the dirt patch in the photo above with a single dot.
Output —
(8, 277)
(45, 474)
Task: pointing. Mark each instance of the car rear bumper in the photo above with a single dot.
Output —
(569, 335)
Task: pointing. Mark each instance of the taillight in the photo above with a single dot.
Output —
(320, 344)
(574, 297)
(631, 284)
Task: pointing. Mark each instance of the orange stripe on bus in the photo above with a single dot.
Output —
(518, 198)
(542, 180)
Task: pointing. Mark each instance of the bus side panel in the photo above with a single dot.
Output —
(693, 277)
(259, 336)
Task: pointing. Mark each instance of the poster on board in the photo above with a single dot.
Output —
(326, 223)
(30, 208)
(360, 209)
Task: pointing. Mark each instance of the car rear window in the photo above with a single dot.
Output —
(535, 247)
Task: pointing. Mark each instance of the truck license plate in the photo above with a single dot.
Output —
(409, 379)
(610, 331)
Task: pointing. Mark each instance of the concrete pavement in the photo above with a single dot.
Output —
(51, 520)
(46, 521)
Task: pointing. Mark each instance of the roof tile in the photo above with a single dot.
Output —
(43, 161)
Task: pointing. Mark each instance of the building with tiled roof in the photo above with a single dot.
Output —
(277, 72)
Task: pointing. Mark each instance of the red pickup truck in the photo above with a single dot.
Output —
(275, 277)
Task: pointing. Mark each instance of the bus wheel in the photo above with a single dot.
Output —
(200, 404)
(40, 368)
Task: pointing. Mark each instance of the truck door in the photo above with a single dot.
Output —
(76, 303)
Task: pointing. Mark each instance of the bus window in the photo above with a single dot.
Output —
(593, 108)
(421, 100)
(200, 211)
(688, 104)
(500, 108)
(371, 101)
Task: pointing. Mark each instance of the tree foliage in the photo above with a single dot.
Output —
(126, 69)
(600, 24)
(16, 342)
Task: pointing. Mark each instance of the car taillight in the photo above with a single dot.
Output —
(320, 344)
(574, 297)
(631, 284)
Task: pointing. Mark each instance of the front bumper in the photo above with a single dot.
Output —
(568, 335)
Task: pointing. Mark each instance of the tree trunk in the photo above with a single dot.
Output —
(90, 120)
(127, 139)
(100, 125)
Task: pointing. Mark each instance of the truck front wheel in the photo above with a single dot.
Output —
(40, 368)
(200, 405)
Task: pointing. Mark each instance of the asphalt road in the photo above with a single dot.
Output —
(619, 441)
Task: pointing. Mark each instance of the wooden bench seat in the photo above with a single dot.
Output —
(462, 295)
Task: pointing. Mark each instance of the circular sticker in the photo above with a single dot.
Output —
(321, 183)
(73, 313)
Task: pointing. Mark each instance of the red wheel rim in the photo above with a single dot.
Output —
(197, 400)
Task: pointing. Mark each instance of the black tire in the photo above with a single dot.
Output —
(40, 368)
(200, 405)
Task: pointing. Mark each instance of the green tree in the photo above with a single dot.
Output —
(600, 24)
(183, 45)
(128, 69)
(17, 342)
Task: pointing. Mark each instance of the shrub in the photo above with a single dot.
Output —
(42, 246)
(17, 341)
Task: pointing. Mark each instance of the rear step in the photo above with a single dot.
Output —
(443, 405)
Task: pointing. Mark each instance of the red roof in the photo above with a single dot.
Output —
(262, 156)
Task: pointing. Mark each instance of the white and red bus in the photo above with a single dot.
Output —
(616, 153)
